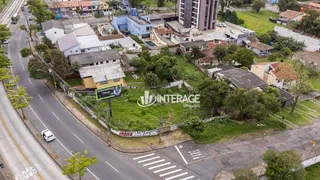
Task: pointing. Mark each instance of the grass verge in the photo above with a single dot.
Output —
(316, 83)
(313, 172)
(74, 81)
(258, 22)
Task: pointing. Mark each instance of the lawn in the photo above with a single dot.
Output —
(313, 172)
(316, 83)
(74, 81)
(258, 59)
(226, 129)
(258, 22)
(3, 5)
(310, 108)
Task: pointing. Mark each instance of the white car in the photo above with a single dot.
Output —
(47, 135)
(30, 18)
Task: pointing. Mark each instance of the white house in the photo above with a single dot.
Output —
(259, 48)
(53, 30)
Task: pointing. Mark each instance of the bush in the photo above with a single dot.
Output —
(193, 126)
(231, 16)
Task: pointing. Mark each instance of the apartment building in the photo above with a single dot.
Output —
(201, 14)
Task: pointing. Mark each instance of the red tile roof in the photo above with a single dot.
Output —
(283, 71)
(162, 31)
(290, 14)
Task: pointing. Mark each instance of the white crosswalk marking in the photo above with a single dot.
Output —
(171, 172)
(136, 158)
(145, 160)
(172, 177)
(197, 157)
(160, 170)
(154, 162)
(160, 165)
(190, 177)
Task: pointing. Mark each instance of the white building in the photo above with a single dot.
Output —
(53, 30)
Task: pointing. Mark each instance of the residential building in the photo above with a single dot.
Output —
(133, 23)
(102, 76)
(187, 47)
(53, 30)
(127, 43)
(201, 14)
(269, 72)
(310, 59)
(237, 34)
(67, 5)
(110, 56)
(240, 78)
(260, 48)
(210, 59)
(290, 15)
(315, 6)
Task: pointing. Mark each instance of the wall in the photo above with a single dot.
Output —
(110, 83)
(120, 23)
(138, 29)
(73, 50)
(54, 33)
(88, 83)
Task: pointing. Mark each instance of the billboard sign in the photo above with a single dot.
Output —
(109, 92)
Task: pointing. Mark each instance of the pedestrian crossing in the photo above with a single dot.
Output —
(163, 168)
(196, 154)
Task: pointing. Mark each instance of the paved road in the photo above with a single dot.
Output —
(12, 7)
(22, 153)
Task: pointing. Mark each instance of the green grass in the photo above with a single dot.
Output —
(297, 117)
(223, 130)
(313, 172)
(74, 81)
(3, 5)
(261, 59)
(134, 82)
(316, 83)
(309, 108)
(258, 22)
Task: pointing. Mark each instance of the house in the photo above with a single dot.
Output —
(187, 47)
(210, 59)
(240, 78)
(96, 58)
(236, 33)
(269, 72)
(311, 6)
(82, 39)
(310, 59)
(127, 43)
(290, 15)
(133, 23)
(102, 76)
(53, 30)
(66, 6)
(260, 48)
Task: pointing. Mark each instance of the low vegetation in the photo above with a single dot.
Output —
(313, 172)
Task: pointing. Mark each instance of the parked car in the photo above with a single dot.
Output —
(47, 135)
(30, 18)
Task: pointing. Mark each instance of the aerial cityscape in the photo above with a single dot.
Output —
(160, 89)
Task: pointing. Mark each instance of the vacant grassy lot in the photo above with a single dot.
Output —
(316, 83)
(258, 22)
(74, 81)
(227, 129)
(313, 172)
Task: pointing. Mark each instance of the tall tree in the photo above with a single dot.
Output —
(212, 94)
(152, 79)
(25, 52)
(257, 5)
(48, 42)
(4, 61)
(288, 4)
(286, 165)
(78, 164)
(220, 52)
(243, 56)
(4, 74)
(39, 10)
(301, 75)
(37, 69)
(135, 3)
(60, 64)
(41, 48)
(19, 98)
(160, 3)
(196, 53)
(310, 23)
(245, 174)
(4, 34)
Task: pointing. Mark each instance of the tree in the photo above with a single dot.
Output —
(264, 38)
(151, 79)
(286, 165)
(39, 10)
(286, 51)
(19, 98)
(179, 52)
(25, 52)
(220, 52)
(48, 42)
(245, 174)
(135, 3)
(276, 57)
(4, 61)
(196, 53)
(4, 34)
(257, 5)
(193, 126)
(288, 4)
(4, 74)
(160, 3)
(222, 3)
(310, 23)
(300, 74)
(23, 27)
(60, 63)
(41, 48)
(243, 56)
(31, 28)
(37, 69)
(232, 48)
(212, 94)
(231, 16)
(78, 164)
(113, 3)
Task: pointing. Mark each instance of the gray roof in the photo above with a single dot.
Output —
(94, 57)
(194, 43)
(243, 79)
(51, 24)
(102, 72)
(66, 42)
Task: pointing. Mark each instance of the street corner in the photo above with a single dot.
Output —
(191, 152)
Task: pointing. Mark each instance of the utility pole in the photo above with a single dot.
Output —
(160, 127)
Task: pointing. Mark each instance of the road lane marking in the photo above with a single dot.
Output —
(136, 158)
(190, 177)
(40, 97)
(195, 155)
(154, 162)
(92, 174)
(112, 167)
(157, 157)
(194, 151)
(198, 157)
(185, 161)
(22, 66)
(56, 116)
(29, 81)
(160, 170)
(78, 138)
(160, 165)
(172, 177)
(171, 172)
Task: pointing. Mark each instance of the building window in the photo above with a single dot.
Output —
(103, 82)
(91, 64)
(82, 50)
(76, 50)
(88, 49)
(116, 80)
(97, 63)
(55, 32)
(113, 60)
(101, 62)
(107, 61)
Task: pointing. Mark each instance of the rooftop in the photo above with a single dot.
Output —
(290, 14)
(175, 25)
(307, 56)
(66, 42)
(139, 20)
(51, 24)
(83, 31)
(243, 79)
(260, 46)
(102, 72)
(88, 41)
(194, 43)
(162, 31)
(283, 71)
(94, 57)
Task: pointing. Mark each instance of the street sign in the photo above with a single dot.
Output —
(109, 92)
